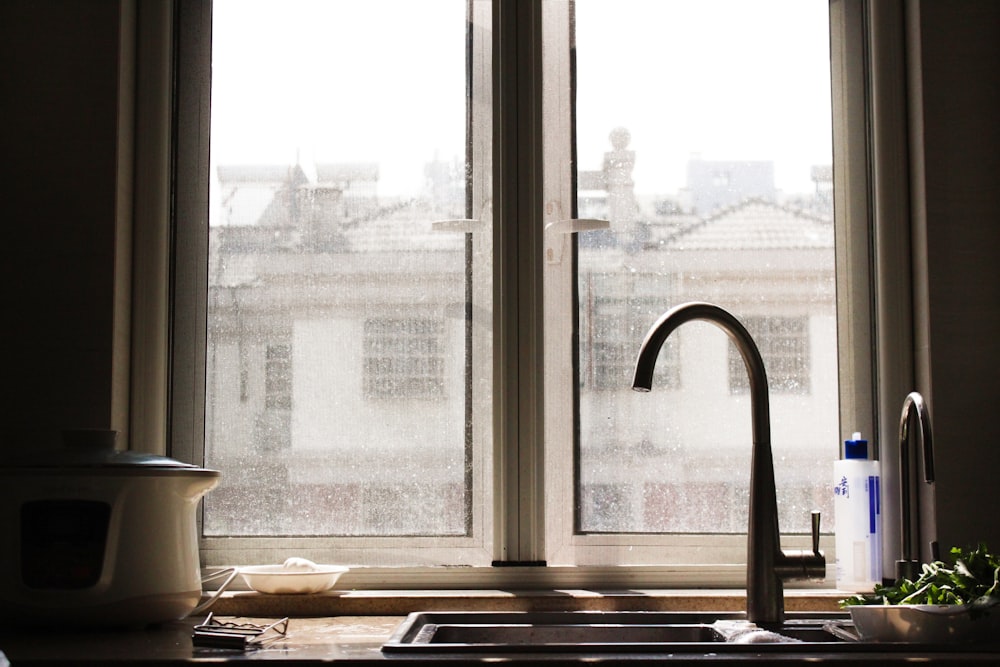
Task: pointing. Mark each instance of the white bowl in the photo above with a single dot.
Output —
(278, 580)
(924, 623)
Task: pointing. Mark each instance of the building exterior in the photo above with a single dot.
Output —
(678, 469)
(338, 361)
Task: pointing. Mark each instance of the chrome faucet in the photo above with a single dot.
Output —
(909, 515)
(767, 564)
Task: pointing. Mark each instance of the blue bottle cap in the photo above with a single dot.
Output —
(856, 448)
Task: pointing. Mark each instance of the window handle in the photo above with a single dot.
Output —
(467, 225)
(576, 225)
(555, 232)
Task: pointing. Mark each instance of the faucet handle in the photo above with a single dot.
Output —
(803, 563)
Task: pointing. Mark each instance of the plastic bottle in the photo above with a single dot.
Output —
(857, 508)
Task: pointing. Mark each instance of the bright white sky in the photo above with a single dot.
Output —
(384, 81)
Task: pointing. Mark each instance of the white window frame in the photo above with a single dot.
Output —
(170, 219)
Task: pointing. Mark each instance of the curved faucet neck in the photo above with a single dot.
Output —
(913, 406)
(673, 318)
(765, 602)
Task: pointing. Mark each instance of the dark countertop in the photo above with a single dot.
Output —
(356, 640)
(344, 640)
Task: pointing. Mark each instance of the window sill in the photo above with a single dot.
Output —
(402, 602)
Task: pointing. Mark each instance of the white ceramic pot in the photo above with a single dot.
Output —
(95, 536)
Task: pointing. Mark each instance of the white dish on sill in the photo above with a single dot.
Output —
(281, 580)
(925, 623)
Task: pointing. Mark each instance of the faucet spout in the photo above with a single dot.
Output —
(913, 405)
(767, 564)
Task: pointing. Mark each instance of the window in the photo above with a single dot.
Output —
(610, 328)
(278, 378)
(784, 346)
(711, 179)
(403, 285)
(403, 359)
(323, 198)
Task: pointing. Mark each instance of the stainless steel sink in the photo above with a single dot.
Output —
(597, 632)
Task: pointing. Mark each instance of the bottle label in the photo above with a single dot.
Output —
(874, 528)
(873, 504)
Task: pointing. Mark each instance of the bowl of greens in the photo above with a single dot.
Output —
(948, 603)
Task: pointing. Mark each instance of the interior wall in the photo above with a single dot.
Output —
(58, 143)
(958, 206)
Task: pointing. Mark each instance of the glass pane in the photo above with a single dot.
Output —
(704, 136)
(339, 343)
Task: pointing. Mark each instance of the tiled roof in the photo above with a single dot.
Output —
(261, 173)
(348, 172)
(247, 192)
(405, 227)
(268, 196)
(271, 196)
(755, 224)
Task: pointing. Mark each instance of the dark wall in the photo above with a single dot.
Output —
(960, 72)
(58, 145)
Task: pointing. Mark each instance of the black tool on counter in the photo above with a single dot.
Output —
(214, 634)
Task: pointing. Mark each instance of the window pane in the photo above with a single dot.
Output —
(704, 136)
(339, 347)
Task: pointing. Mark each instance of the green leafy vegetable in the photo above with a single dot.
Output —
(970, 578)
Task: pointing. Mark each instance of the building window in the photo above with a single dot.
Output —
(610, 328)
(607, 507)
(278, 377)
(784, 346)
(403, 359)
(412, 508)
(689, 507)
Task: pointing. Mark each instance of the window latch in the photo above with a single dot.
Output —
(557, 233)
(467, 225)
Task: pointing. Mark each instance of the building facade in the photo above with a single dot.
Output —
(339, 363)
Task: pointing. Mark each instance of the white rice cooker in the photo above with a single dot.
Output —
(96, 536)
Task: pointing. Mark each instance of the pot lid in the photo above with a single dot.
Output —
(94, 448)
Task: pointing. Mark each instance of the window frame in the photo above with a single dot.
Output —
(171, 267)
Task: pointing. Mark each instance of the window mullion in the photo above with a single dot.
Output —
(561, 426)
(518, 297)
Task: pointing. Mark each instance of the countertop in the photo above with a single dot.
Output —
(357, 640)
(348, 631)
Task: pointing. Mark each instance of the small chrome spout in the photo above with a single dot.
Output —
(767, 564)
(909, 512)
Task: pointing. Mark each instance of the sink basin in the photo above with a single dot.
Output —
(597, 632)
